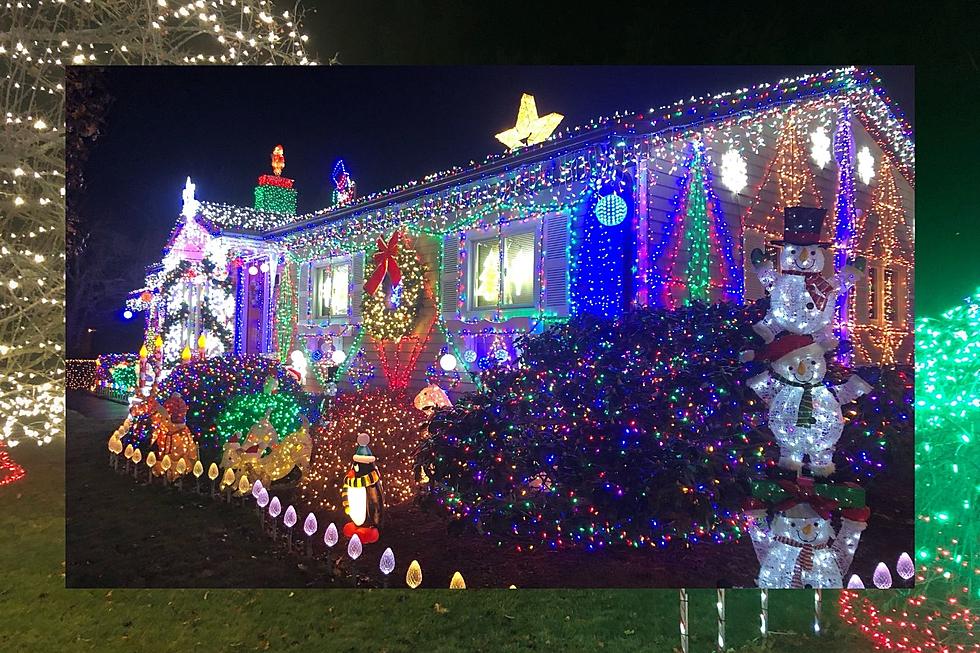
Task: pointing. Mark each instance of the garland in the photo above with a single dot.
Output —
(390, 312)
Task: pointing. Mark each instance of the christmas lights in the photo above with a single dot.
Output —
(939, 614)
(794, 547)
(804, 415)
(10, 471)
(386, 315)
(209, 385)
(394, 427)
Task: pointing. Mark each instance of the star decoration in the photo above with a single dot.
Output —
(530, 128)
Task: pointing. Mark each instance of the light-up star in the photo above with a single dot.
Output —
(530, 129)
(189, 210)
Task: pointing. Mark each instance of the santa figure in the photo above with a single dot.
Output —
(804, 415)
(798, 547)
(803, 298)
(363, 494)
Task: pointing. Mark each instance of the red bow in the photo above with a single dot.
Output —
(384, 259)
(802, 492)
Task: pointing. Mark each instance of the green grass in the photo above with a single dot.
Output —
(39, 614)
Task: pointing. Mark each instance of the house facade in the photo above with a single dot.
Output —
(433, 280)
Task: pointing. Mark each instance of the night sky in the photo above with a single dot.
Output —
(390, 125)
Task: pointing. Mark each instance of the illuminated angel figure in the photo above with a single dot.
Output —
(798, 547)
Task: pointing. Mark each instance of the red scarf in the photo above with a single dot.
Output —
(804, 561)
(817, 286)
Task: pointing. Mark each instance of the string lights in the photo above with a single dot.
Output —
(939, 614)
(394, 427)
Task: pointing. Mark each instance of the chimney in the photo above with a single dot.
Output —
(275, 193)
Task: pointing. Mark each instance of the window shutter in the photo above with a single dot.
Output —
(449, 282)
(556, 263)
(357, 284)
(303, 292)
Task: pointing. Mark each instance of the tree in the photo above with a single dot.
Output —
(40, 39)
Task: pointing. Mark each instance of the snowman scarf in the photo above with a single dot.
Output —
(804, 560)
(804, 414)
(818, 287)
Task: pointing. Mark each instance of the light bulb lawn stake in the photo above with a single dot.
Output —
(720, 606)
(683, 622)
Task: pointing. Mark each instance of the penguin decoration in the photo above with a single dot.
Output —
(363, 494)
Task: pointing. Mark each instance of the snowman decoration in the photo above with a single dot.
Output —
(804, 415)
(802, 298)
(798, 547)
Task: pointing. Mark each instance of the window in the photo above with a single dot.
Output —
(513, 286)
(872, 294)
(331, 290)
(891, 312)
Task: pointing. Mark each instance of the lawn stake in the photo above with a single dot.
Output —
(764, 612)
(720, 605)
(310, 527)
(387, 564)
(684, 638)
(817, 604)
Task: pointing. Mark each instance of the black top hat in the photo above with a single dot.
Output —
(802, 226)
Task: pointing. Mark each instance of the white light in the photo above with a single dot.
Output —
(338, 356)
(128, 314)
(357, 502)
(447, 362)
(820, 146)
(264, 267)
(905, 566)
(865, 165)
(252, 270)
(855, 583)
(387, 561)
(330, 535)
(882, 577)
(310, 525)
(733, 171)
(354, 548)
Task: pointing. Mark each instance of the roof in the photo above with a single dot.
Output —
(883, 121)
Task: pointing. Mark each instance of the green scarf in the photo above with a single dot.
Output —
(804, 416)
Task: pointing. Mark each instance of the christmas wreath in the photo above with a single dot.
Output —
(393, 292)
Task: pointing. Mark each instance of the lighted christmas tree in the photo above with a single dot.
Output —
(940, 614)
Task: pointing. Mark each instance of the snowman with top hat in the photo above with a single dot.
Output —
(363, 494)
(803, 297)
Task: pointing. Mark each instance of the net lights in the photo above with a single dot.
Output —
(939, 614)
(394, 427)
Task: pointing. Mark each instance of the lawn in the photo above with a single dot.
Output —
(172, 537)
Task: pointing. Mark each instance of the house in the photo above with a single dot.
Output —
(653, 208)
